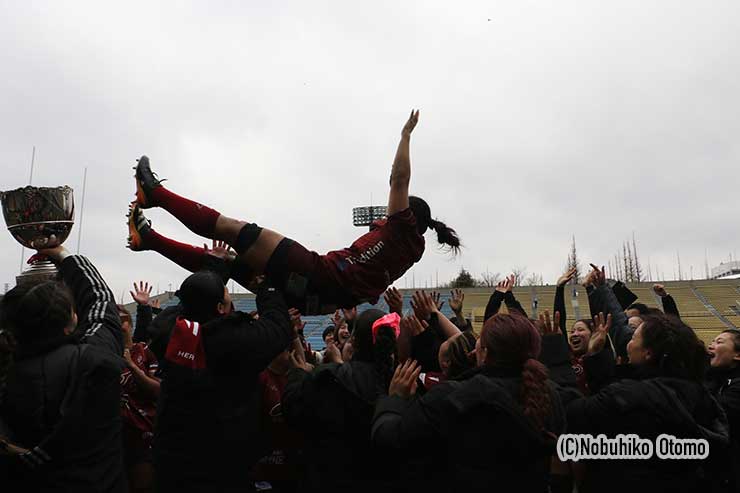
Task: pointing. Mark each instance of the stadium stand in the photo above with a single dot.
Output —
(720, 295)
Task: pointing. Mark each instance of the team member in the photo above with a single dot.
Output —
(312, 283)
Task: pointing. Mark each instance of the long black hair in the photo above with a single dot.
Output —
(445, 235)
(676, 350)
(383, 353)
(37, 312)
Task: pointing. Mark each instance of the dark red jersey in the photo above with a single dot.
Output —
(185, 347)
(282, 463)
(376, 259)
(137, 407)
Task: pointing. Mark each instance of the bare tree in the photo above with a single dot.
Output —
(625, 264)
(639, 274)
(519, 275)
(535, 280)
(490, 280)
(574, 263)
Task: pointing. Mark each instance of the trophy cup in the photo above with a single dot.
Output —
(39, 217)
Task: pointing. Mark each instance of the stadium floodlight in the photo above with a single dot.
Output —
(364, 216)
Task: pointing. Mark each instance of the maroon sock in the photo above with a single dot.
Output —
(186, 256)
(198, 218)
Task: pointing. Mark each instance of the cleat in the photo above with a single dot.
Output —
(146, 182)
(138, 228)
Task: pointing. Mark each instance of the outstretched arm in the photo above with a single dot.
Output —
(560, 300)
(398, 198)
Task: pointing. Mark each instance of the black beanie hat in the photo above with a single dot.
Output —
(199, 294)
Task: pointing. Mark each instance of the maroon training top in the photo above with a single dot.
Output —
(376, 259)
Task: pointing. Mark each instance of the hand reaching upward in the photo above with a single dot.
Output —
(565, 278)
(410, 124)
(220, 249)
(141, 293)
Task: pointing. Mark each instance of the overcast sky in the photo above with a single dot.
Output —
(539, 121)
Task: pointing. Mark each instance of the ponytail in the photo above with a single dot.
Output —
(513, 342)
(423, 214)
(535, 394)
(446, 236)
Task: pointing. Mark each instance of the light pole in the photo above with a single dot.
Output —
(364, 216)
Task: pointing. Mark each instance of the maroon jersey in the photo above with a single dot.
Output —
(378, 258)
(576, 362)
(137, 407)
(432, 378)
(185, 347)
(282, 462)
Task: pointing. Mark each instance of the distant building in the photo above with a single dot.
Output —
(727, 270)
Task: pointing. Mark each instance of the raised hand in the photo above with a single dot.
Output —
(298, 360)
(436, 297)
(332, 354)
(506, 285)
(141, 293)
(155, 303)
(404, 380)
(601, 330)
(394, 299)
(456, 300)
(660, 290)
(220, 249)
(597, 276)
(412, 326)
(567, 277)
(410, 124)
(423, 305)
(336, 319)
(56, 254)
(550, 327)
(295, 320)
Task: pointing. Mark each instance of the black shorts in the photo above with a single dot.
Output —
(306, 279)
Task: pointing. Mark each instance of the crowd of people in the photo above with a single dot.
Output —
(200, 397)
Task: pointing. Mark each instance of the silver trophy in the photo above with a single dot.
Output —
(39, 217)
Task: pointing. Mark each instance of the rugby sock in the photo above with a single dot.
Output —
(186, 256)
(198, 218)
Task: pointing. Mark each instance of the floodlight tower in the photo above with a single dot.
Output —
(364, 216)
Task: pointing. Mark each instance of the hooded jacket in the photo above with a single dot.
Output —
(470, 434)
(63, 397)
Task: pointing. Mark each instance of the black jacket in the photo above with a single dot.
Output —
(333, 406)
(603, 299)
(725, 387)
(648, 408)
(144, 315)
(205, 434)
(471, 434)
(63, 397)
(494, 304)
